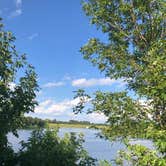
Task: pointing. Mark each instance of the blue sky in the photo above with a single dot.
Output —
(51, 33)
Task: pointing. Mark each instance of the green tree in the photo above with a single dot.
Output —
(135, 52)
(45, 148)
(17, 94)
(29, 122)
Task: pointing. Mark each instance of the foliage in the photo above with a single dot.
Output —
(17, 94)
(29, 122)
(105, 163)
(140, 155)
(123, 114)
(135, 51)
(83, 97)
(79, 122)
(46, 148)
(76, 125)
(70, 122)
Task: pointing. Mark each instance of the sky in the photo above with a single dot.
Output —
(51, 33)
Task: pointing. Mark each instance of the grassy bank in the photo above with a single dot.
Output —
(66, 125)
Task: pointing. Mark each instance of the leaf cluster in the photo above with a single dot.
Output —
(45, 147)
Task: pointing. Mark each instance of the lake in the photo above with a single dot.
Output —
(98, 148)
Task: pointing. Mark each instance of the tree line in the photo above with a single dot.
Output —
(30, 122)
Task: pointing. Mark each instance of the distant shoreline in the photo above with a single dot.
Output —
(66, 125)
(70, 125)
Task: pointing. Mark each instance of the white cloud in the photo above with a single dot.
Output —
(31, 37)
(51, 107)
(53, 84)
(147, 107)
(93, 117)
(96, 117)
(16, 13)
(12, 85)
(18, 10)
(83, 82)
(63, 110)
(67, 78)
(18, 3)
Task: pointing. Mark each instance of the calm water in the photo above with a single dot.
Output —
(97, 148)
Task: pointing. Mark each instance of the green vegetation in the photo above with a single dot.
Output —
(37, 123)
(46, 148)
(70, 125)
(136, 53)
(17, 96)
(29, 122)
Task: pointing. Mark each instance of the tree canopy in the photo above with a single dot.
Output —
(17, 92)
(135, 51)
(47, 148)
